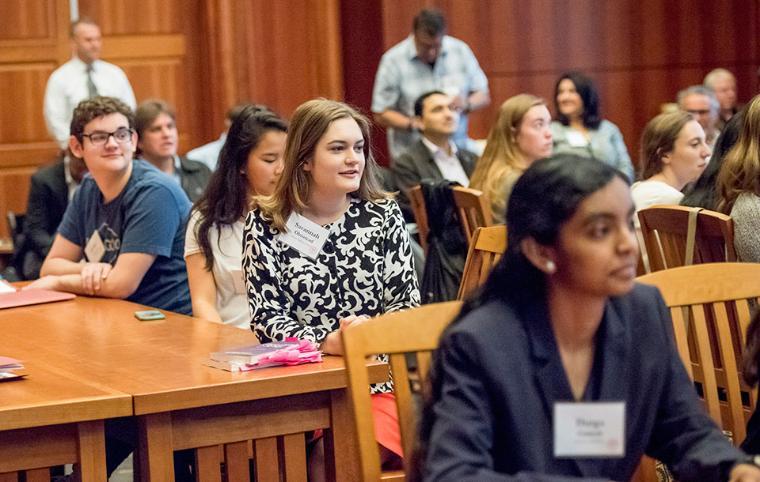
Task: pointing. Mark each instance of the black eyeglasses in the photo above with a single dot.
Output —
(122, 135)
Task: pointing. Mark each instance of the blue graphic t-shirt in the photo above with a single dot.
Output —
(148, 216)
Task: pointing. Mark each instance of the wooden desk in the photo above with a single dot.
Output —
(182, 404)
(51, 419)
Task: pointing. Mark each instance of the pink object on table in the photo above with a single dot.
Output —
(297, 354)
(32, 297)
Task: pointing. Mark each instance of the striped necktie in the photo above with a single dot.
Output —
(92, 91)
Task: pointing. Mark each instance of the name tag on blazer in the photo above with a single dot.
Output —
(304, 235)
(589, 429)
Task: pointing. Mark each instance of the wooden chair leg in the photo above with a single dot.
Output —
(294, 455)
(236, 460)
(207, 464)
(267, 466)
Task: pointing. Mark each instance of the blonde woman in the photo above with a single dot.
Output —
(739, 185)
(521, 135)
(329, 248)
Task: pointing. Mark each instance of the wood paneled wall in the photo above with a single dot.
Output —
(640, 52)
(276, 53)
(203, 56)
(33, 37)
(206, 55)
(156, 43)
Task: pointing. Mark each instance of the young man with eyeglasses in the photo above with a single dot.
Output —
(126, 221)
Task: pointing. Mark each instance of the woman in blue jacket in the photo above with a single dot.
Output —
(562, 368)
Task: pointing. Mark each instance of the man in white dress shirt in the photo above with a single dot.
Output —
(209, 153)
(82, 77)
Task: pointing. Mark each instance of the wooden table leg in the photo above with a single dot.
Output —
(155, 448)
(91, 445)
(341, 449)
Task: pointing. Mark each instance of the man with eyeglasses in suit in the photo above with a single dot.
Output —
(126, 221)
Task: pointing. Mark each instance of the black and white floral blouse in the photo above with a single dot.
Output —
(364, 268)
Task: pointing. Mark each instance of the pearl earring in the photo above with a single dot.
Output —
(551, 267)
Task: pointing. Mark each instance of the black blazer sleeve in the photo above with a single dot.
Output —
(405, 176)
(468, 161)
(44, 211)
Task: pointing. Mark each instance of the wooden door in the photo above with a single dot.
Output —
(33, 42)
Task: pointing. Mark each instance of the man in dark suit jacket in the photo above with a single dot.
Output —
(49, 194)
(434, 156)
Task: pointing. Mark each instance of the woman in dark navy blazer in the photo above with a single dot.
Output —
(562, 368)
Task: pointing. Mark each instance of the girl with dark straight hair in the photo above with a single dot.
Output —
(562, 367)
(249, 164)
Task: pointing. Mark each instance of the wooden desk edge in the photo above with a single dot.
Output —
(246, 389)
(74, 411)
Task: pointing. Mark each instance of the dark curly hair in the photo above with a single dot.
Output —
(98, 106)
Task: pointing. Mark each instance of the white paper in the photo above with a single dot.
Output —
(6, 288)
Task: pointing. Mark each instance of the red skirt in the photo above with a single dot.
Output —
(385, 415)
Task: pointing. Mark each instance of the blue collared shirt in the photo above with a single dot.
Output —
(402, 77)
(604, 143)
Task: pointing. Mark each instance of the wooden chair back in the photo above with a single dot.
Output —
(665, 230)
(486, 248)
(417, 201)
(474, 210)
(414, 331)
(710, 307)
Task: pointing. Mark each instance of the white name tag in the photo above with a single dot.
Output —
(595, 429)
(576, 139)
(95, 248)
(304, 235)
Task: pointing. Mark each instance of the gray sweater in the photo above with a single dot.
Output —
(746, 216)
